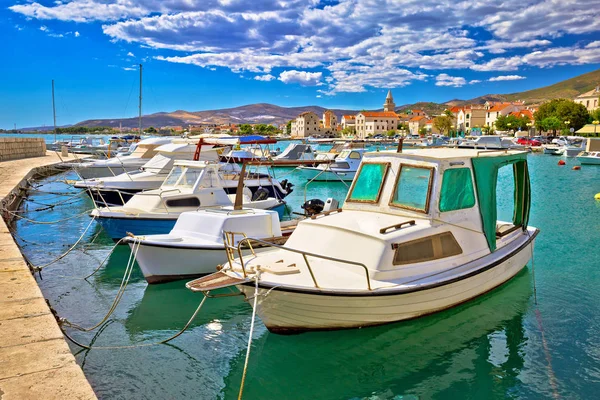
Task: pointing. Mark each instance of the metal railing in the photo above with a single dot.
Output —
(230, 249)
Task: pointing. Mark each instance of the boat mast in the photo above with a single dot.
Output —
(53, 110)
(140, 116)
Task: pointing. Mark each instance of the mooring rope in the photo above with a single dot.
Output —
(133, 346)
(16, 215)
(256, 279)
(120, 292)
(105, 259)
(39, 268)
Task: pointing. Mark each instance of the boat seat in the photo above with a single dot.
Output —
(505, 229)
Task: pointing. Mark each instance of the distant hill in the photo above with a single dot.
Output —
(569, 89)
(250, 114)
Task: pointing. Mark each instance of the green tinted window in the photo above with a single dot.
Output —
(457, 190)
(412, 188)
(368, 183)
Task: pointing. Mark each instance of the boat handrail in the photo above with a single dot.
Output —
(230, 249)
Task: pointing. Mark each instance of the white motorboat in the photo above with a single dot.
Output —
(491, 142)
(343, 168)
(576, 147)
(554, 149)
(195, 245)
(418, 233)
(589, 157)
(117, 190)
(190, 186)
(144, 151)
(296, 152)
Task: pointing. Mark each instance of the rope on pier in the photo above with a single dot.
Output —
(256, 278)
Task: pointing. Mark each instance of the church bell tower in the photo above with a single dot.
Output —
(389, 104)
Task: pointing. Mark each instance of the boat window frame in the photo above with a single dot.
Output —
(381, 186)
(397, 246)
(429, 188)
(472, 179)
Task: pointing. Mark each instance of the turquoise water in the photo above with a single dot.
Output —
(502, 345)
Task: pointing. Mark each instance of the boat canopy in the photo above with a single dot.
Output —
(238, 140)
(486, 176)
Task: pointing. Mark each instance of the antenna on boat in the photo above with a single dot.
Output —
(140, 116)
(53, 111)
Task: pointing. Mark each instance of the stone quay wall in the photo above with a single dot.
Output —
(18, 148)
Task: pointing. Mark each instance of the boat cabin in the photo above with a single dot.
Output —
(415, 213)
(189, 185)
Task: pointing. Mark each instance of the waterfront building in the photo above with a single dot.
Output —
(329, 125)
(305, 125)
(416, 123)
(591, 99)
(349, 121)
(370, 123)
(496, 109)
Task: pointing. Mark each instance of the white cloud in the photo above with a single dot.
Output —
(506, 78)
(301, 77)
(474, 81)
(44, 28)
(129, 68)
(130, 54)
(265, 78)
(319, 96)
(355, 44)
(447, 80)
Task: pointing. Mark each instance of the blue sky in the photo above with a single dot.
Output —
(206, 54)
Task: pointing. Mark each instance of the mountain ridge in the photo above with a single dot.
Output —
(274, 114)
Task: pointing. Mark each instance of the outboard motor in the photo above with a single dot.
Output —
(312, 207)
(331, 204)
(260, 194)
(289, 188)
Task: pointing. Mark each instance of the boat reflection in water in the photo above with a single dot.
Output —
(168, 307)
(475, 347)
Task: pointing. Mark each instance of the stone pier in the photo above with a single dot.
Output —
(35, 360)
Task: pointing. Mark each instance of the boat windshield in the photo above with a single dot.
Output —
(174, 176)
(413, 188)
(181, 176)
(367, 185)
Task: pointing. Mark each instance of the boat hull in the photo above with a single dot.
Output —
(293, 311)
(160, 264)
(111, 198)
(102, 172)
(589, 160)
(319, 175)
(119, 227)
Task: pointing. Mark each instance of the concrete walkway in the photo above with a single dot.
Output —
(35, 360)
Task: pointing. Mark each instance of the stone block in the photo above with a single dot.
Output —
(20, 331)
(21, 360)
(26, 308)
(67, 382)
(18, 285)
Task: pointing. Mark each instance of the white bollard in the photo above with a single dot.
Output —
(64, 151)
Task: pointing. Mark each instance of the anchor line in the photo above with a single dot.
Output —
(256, 279)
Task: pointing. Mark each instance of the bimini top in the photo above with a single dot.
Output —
(456, 186)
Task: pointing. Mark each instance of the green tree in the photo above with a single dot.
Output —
(151, 130)
(442, 124)
(423, 131)
(246, 129)
(563, 110)
(516, 123)
(289, 127)
(391, 133)
(347, 131)
(550, 124)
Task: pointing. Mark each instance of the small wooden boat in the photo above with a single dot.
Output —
(418, 233)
